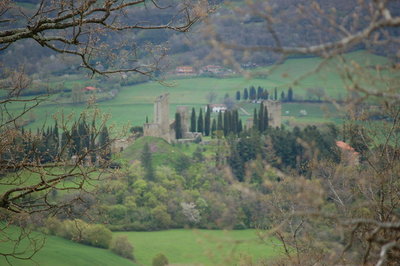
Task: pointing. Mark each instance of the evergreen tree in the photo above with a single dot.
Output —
(266, 118)
(266, 95)
(193, 121)
(240, 127)
(200, 123)
(220, 125)
(255, 119)
(261, 118)
(147, 119)
(213, 127)
(260, 92)
(104, 142)
(283, 96)
(178, 126)
(290, 95)
(207, 121)
(147, 162)
(226, 123)
(275, 94)
(253, 93)
(238, 95)
(245, 94)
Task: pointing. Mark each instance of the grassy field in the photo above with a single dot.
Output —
(134, 103)
(61, 252)
(180, 246)
(200, 247)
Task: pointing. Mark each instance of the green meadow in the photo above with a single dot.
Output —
(61, 252)
(133, 103)
(202, 247)
(180, 246)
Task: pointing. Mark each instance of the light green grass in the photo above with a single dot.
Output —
(61, 252)
(200, 247)
(134, 103)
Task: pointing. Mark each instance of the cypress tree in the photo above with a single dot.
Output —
(207, 121)
(245, 94)
(253, 93)
(290, 95)
(193, 121)
(275, 94)
(283, 96)
(238, 95)
(178, 126)
(266, 118)
(255, 119)
(240, 127)
(213, 127)
(105, 143)
(200, 124)
(260, 92)
(226, 123)
(220, 125)
(261, 118)
(147, 119)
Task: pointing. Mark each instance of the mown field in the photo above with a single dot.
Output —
(181, 247)
(202, 247)
(134, 103)
(61, 252)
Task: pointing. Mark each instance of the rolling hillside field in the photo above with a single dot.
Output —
(61, 252)
(202, 247)
(134, 103)
(180, 246)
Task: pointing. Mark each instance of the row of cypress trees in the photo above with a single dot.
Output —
(263, 94)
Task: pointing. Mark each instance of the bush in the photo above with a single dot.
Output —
(160, 260)
(97, 235)
(122, 247)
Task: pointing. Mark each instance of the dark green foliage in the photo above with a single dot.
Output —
(160, 260)
(220, 125)
(147, 162)
(245, 94)
(275, 94)
(213, 127)
(178, 126)
(207, 121)
(290, 95)
(193, 121)
(104, 144)
(200, 123)
(283, 96)
(255, 119)
(260, 92)
(253, 93)
(238, 96)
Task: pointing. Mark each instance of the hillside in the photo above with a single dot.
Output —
(58, 251)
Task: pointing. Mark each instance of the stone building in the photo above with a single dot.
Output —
(274, 112)
(162, 127)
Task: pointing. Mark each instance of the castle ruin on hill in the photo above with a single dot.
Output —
(274, 114)
(162, 127)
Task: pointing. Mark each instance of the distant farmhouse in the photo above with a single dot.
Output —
(185, 70)
(162, 127)
(216, 108)
(89, 88)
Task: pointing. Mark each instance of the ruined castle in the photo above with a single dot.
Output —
(274, 114)
(162, 127)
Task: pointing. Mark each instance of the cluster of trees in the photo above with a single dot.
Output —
(264, 94)
(96, 235)
(49, 145)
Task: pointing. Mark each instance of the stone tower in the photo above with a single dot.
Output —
(274, 112)
(184, 112)
(161, 125)
(161, 113)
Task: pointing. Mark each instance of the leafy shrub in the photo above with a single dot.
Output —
(160, 260)
(97, 235)
(122, 247)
